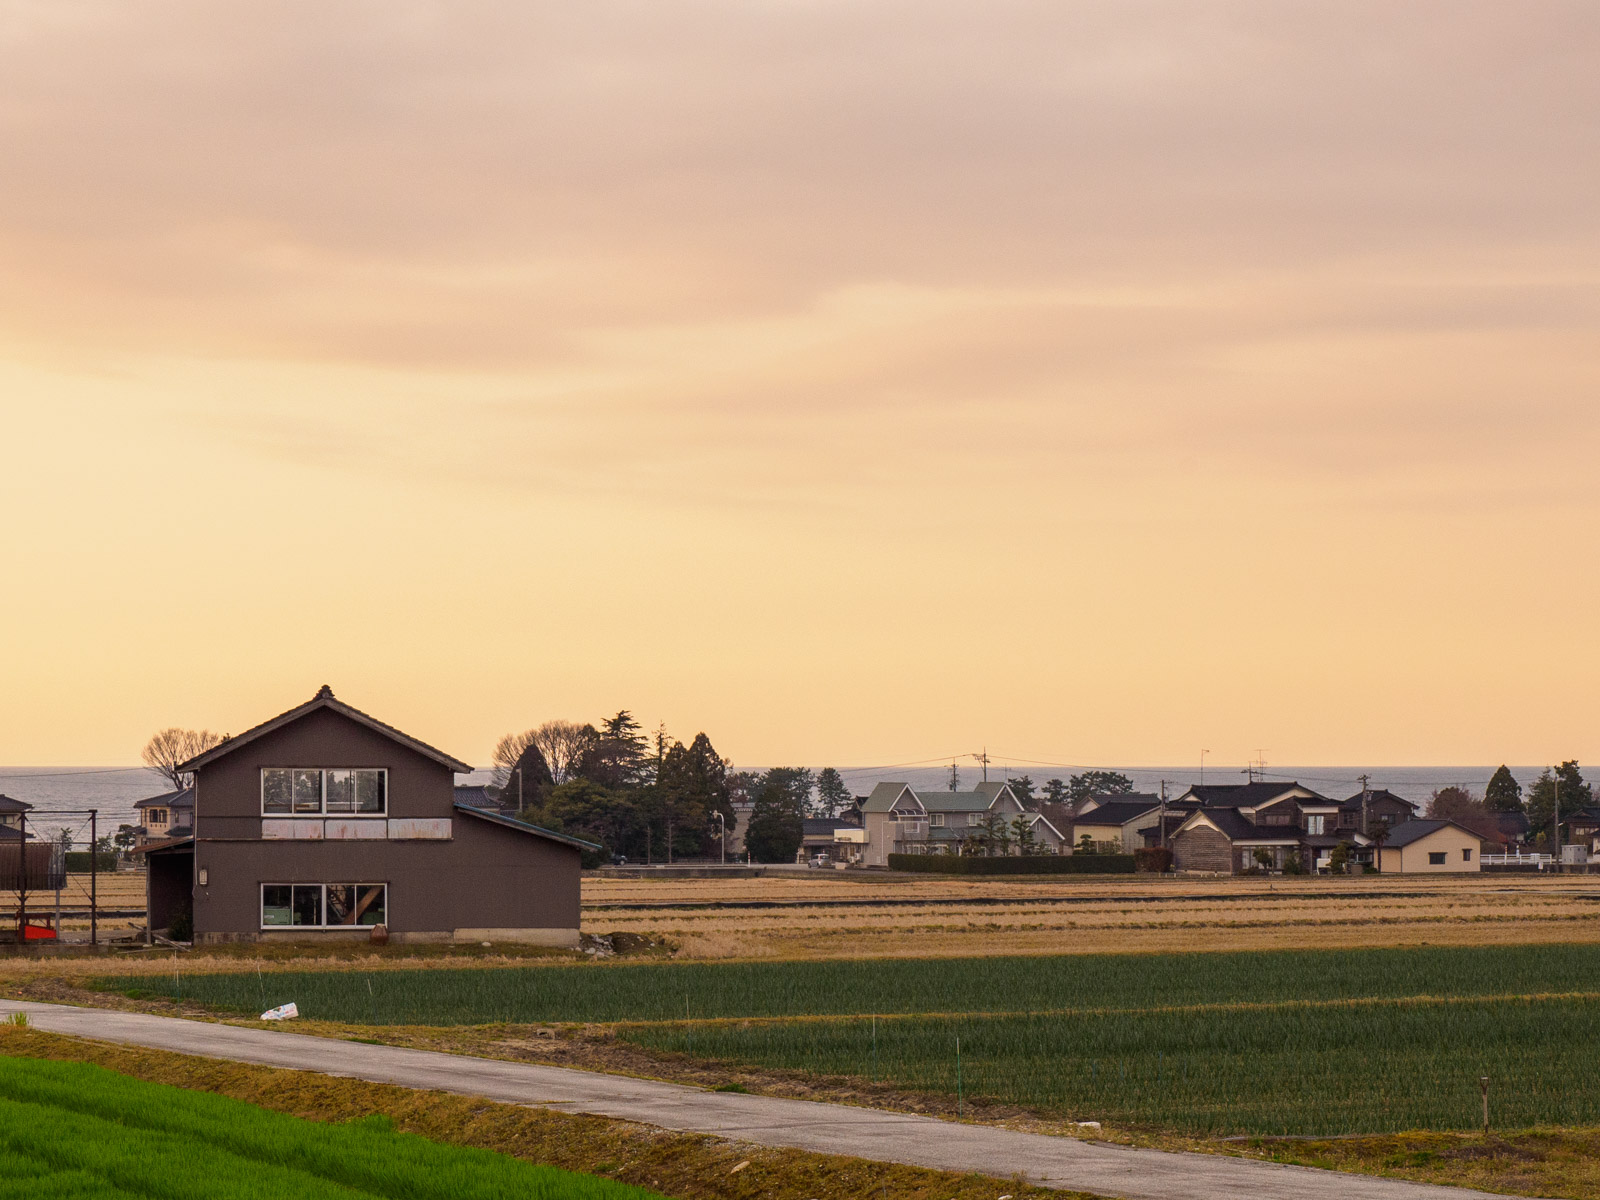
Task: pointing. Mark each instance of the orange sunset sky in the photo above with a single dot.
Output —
(858, 382)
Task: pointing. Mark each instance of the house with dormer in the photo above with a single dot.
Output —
(898, 819)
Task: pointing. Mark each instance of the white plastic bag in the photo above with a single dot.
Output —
(282, 1013)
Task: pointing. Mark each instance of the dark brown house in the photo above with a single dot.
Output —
(324, 822)
(1231, 828)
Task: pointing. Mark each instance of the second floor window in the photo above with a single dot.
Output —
(1314, 824)
(314, 791)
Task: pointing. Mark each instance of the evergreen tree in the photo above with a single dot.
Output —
(1098, 783)
(777, 827)
(832, 794)
(1567, 784)
(1504, 793)
(1055, 791)
(692, 783)
(618, 756)
(1022, 788)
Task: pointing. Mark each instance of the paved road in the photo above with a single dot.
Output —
(1058, 1162)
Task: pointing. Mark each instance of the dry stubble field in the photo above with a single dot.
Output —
(845, 914)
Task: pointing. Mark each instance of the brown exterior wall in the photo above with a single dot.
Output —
(1202, 849)
(485, 881)
(486, 877)
(228, 791)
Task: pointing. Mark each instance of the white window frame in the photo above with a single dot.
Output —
(261, 902)
(1315, 824)
(322, 796)
(936, 820)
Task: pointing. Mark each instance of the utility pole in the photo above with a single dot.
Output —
(984, 759)
(1203, 754)
(955, 777)
(1366, 798)
(1163, 825)
(1555, 818)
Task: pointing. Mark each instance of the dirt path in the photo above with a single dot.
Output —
(830, 1128)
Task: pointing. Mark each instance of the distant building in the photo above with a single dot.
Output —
(1430, 847)
(169, 815)
(12, 813)
(1232, 828)
(901, 820)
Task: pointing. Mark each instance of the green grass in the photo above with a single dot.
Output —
(75, 1130)
(678, 991)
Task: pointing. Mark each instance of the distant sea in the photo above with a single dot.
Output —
(114, 790)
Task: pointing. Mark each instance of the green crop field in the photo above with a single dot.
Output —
(1282, 1069)
(80, 1131)
(1267, 1042)
(674, 991)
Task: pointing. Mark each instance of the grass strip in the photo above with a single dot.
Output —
(690, 1166)
(160, 1141)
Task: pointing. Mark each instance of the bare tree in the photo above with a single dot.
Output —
(563, 744)
(171, 748)
(508, 751)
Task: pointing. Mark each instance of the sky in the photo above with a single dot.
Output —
(856, 382)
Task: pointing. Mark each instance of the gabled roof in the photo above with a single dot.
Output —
(1414, 831)
(883, 797)
(324, 699)
(1038, 818)
(1247, 795)
(183, 799)
(495, 818)
(1377, 794)
(1240, 829)
(1118, 812)
(993, 791)
(957, 801)
(7, 804)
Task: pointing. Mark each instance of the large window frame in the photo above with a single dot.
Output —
(303, 894)
(299, 784)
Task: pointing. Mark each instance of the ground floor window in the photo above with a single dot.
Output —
(323, 905)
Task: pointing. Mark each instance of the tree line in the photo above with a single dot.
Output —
(1563, 788)
(650, 798)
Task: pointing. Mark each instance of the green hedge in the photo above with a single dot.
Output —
(1044, 864)
(78, 862)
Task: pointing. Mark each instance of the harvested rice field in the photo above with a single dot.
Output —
(849, 914)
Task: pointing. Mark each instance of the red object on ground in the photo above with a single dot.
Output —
(37, 933)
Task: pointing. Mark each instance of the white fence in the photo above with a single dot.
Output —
(1540, 861)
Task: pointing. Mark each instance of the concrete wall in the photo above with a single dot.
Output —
(1202, 848)
(1413, 859)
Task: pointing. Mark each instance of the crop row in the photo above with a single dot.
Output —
(1285, 1070)
(678, 991)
